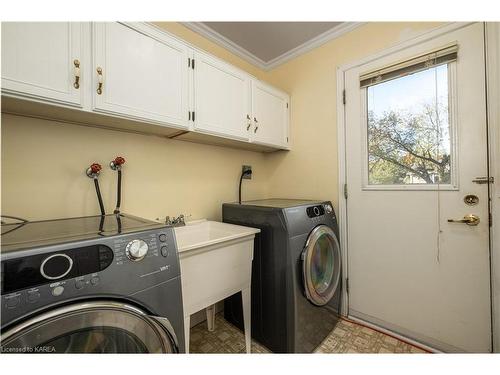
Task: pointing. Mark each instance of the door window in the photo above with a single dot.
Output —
(410, 131)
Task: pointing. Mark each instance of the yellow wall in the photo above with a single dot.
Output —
(43, 161)
(43, 165)
(310, 169)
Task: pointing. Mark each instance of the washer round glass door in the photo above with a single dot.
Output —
(91, 327)
(321, 265)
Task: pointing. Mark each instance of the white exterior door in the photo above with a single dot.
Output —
(221, 98)
(143, 74)
(414, 146)
(270, 115)
(42, 60)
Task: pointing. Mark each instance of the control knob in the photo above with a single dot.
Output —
(136, 250)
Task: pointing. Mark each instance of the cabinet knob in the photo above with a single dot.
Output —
(100, 80)
(76, 63)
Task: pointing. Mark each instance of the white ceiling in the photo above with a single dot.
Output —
(269, 44)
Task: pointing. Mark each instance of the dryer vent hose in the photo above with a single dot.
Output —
(243, 174)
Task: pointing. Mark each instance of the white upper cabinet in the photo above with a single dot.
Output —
(134, 73)
(270, 115)
(141, 73)
(221, 98)
(42, 60)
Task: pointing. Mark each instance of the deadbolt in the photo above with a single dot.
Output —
(471, 199)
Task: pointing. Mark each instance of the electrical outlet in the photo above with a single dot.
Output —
(245, 168)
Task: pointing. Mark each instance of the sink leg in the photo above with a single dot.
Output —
(246, 300)
(210, 310)
(187, 331)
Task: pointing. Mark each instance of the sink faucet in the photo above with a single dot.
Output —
(176, 221)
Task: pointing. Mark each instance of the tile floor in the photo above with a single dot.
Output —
(347, 337)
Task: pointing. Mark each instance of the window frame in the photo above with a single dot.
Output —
(454, 142)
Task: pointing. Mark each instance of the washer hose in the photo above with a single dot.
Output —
(99, 197)
(93, 173)
(116, 165)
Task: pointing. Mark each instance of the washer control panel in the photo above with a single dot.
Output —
(31, 271)
(120, 265)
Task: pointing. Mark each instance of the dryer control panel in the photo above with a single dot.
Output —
(315, 211)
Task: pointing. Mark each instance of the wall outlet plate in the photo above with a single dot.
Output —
(245, 168)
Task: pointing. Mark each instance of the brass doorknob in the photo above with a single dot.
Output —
(470, 219)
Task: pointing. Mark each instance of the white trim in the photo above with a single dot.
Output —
(214, 36)
(493, 86)
(342, 212)
(315, 42)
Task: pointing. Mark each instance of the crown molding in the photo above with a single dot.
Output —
(214, 36)
(307, 46)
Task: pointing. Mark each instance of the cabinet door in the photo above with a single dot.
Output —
(143, 73)
(270, 115)
(38, 61)
(222, 98)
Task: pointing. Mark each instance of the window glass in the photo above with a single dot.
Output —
(409, 130)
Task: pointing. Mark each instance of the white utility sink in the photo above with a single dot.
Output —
(216, 262)
(203, 233)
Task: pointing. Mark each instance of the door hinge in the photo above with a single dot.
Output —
(343, 97)
(347, 285)
(192, 64)
(345, 191)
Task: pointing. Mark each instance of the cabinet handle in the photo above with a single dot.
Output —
(100, 80)
(255, 119)
(248, 126)
(76, 63)
(249, 123)
(256, 128)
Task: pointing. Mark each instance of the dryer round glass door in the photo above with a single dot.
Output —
(93, 327)
(321, 265)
